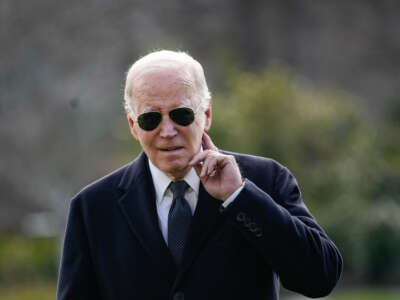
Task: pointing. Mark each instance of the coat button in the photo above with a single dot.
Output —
(258, 232)
(253, 227)
(240, 216)
(179, 296)
(247, 222)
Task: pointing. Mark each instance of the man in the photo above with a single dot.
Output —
(185, 220)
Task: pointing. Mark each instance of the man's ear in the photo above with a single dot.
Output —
(131, 123)
(208, 114)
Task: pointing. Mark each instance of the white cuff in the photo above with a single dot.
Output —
(232, 197)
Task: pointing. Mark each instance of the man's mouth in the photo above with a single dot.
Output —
(171, 149)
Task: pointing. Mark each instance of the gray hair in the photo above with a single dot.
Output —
(192, 70)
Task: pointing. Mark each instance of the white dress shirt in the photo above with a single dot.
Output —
(164, 195)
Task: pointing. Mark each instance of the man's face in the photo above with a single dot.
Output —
(170, 146)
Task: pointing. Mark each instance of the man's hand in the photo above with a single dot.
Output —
(218, 172)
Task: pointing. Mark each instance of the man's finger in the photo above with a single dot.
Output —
(199, 157)
(197, 168)
(209, 164)
(208, 143)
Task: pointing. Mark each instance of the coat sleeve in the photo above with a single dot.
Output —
(287, 236)
(77, 279)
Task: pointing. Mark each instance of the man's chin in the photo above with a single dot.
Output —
(177, 172)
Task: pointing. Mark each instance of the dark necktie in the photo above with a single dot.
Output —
(178, 220)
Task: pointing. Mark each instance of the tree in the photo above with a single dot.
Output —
(341, 161)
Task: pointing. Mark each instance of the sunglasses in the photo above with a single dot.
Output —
(182, 116)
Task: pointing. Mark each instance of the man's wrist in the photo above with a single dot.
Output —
(233, 196)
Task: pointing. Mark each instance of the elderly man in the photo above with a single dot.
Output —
(185, 220)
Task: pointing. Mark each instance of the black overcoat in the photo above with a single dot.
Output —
(114, 249)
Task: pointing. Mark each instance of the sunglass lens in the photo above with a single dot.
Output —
(149, 121)
(183, 116)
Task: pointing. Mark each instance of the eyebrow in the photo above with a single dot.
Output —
(150, 109)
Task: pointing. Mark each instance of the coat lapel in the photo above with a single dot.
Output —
(139, 208)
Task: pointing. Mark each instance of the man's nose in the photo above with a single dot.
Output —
(167, 128)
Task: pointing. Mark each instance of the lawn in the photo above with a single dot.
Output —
(366, 294)
(36, 291)
(47, 291)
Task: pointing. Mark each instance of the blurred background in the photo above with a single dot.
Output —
(312, 84)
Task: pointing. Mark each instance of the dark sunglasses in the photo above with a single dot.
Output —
(183, 116)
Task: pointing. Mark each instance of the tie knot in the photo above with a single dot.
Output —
(178, 188)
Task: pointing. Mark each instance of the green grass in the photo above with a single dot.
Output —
(34, 291)
(47, 291)
(366, 294)
(25, 259)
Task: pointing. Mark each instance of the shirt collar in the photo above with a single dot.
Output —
(161, 181)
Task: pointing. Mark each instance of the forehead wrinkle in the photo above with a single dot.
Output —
(165, 70)
(147, 87)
